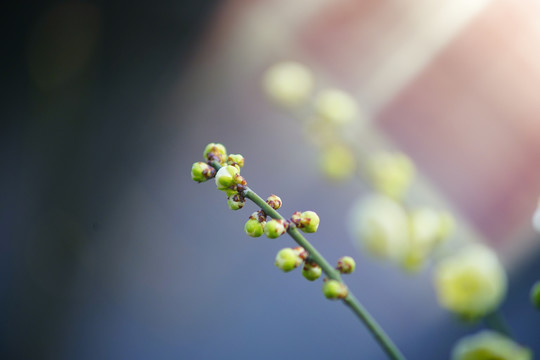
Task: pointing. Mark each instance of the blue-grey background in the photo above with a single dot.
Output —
(110, 251)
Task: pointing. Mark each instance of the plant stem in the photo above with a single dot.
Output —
(351, 301)
(495, 321)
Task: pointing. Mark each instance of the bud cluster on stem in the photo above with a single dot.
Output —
(228, 179)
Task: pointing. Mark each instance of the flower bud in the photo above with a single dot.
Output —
(535, 295)
(254, 228)
(239, 179)
(288, 83)
(336, 106)
(311, 271)
(472, 282)
(346, 265)
(309, 222)
(236, 160)
(236, 202)
(334, 289)
(296, 217)
(201, 172)
(274, 201)
(275, 228)
(225, 177)
(214, 151)
(287, 259)
(391, 173)
(260, 216)
(337, 162)
(300, 251)
(488, 345)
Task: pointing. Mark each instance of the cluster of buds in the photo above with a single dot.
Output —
(290, 258)
(228, 178)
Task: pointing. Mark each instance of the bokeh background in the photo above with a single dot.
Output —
(110, 251)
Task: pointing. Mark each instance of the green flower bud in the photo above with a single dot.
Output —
(334, 289)
(309, 222)
(201, 172)
(236, 160)
(236, 201)
(296, 217)
(287, 259)
(215, 152)
(311, 271)
(274, 201)
(275, 228)
(225, 177)
(488, 345)
(346, 265)
(535, 294)
(254, 228)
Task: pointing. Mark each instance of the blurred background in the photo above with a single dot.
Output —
(110, 250)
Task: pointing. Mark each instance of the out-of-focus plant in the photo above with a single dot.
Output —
(469, 282)
(225, 169)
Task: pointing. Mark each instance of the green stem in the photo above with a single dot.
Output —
(495, 321)
(351, 301)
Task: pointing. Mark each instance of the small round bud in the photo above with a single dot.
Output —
(260, 216)
(535, 294)
(346, 265)
(225, 177)
(288, 83)
(488, 345)
(236, 202)
(254, 228)
(236, 160)
(239, 179)
(201, 172)
(296, 217)
(311, 271)
(309, 221)
(275, 228)
(274, 201)
(287, 259)
(336, 106)
(334, 289)
(214, 151)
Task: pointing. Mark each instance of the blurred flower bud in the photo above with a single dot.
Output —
(346, 265)
(274, 201)
(391, 173)
(535, 295)
(337, 162)
(288, 83)
(275, 228)
(287, 259)
(236, 160)
(201, 172)
(472, 282)
(225, 177)
(214, 151)
(311, 271)
(309, 222)
(236, 202)
(489, 345)
(336, 106)
(254, 228)
(334, 289)
(260, 216)
(428, 229)
(380, 225)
